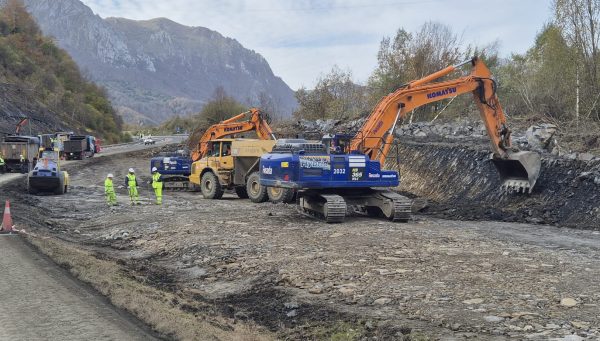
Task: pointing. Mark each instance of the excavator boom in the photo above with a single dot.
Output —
(518, 170)
(20, 125)
(233, 126)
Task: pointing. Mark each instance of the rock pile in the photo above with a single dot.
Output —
(459, 129)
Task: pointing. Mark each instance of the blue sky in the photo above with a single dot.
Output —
(303, 39)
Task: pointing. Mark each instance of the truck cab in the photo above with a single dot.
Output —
(231, 164)
(78, 147)
(175, 169)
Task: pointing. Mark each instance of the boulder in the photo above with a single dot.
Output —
(542, 136)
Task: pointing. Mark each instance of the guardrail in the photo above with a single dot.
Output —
(141, 141)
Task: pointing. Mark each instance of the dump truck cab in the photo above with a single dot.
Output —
(231, 164)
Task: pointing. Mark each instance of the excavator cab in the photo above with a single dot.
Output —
(338, 143)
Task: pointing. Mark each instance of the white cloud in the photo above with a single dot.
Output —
(302, 39)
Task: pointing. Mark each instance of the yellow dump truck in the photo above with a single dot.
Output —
(232, 164)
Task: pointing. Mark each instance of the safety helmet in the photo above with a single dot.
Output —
(154, 169)
(131, 170)
(109, 175)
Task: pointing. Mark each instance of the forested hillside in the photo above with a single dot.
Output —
(42, 82)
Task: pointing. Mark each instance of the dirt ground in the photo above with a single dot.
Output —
(299, 278)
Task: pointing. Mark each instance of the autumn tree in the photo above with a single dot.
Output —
(219, 108)
(50, 78)
(335, 96)
(413, 55)
(410, 56)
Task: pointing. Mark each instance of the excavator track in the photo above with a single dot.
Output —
(334, 208)
(328, 207)
(389, 204)
(402, 207)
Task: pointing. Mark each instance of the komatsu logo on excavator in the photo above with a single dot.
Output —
(238, 128)
(441, 93)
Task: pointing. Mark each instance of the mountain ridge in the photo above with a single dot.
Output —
(157, 68)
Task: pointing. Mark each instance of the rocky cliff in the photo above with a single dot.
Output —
(157, 68)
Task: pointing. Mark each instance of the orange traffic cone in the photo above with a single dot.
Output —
(7, 223)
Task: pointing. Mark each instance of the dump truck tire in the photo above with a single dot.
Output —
(279, 194)
(210, 186)
(256, 192)
(241, 192)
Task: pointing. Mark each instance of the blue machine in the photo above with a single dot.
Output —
(327, 180)
(175, 169)
(47, 176)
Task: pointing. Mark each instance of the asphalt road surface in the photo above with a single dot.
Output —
(40, 301)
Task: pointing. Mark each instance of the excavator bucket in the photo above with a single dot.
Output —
(519, 171)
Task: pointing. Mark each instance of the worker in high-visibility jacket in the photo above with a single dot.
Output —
(157, 185)
(132, 184)
(23, 164)
(109, 190)
(2, 165)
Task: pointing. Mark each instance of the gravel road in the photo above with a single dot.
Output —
(293, 275)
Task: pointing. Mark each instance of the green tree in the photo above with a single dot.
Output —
(412, 56)
(541, 82)
(579, 22)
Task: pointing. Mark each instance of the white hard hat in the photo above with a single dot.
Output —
(109, 175)
(154, 169)
(131, 170)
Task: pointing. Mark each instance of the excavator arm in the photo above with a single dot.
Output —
(20, 125)
(232, 126)
(518, 170)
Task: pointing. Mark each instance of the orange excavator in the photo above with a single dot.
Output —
(20, 125)
(176, 168)
(518, 170)
(347, 170)
(231, 126)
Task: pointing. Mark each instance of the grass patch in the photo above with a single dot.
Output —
(159, 309)
(341, 331)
